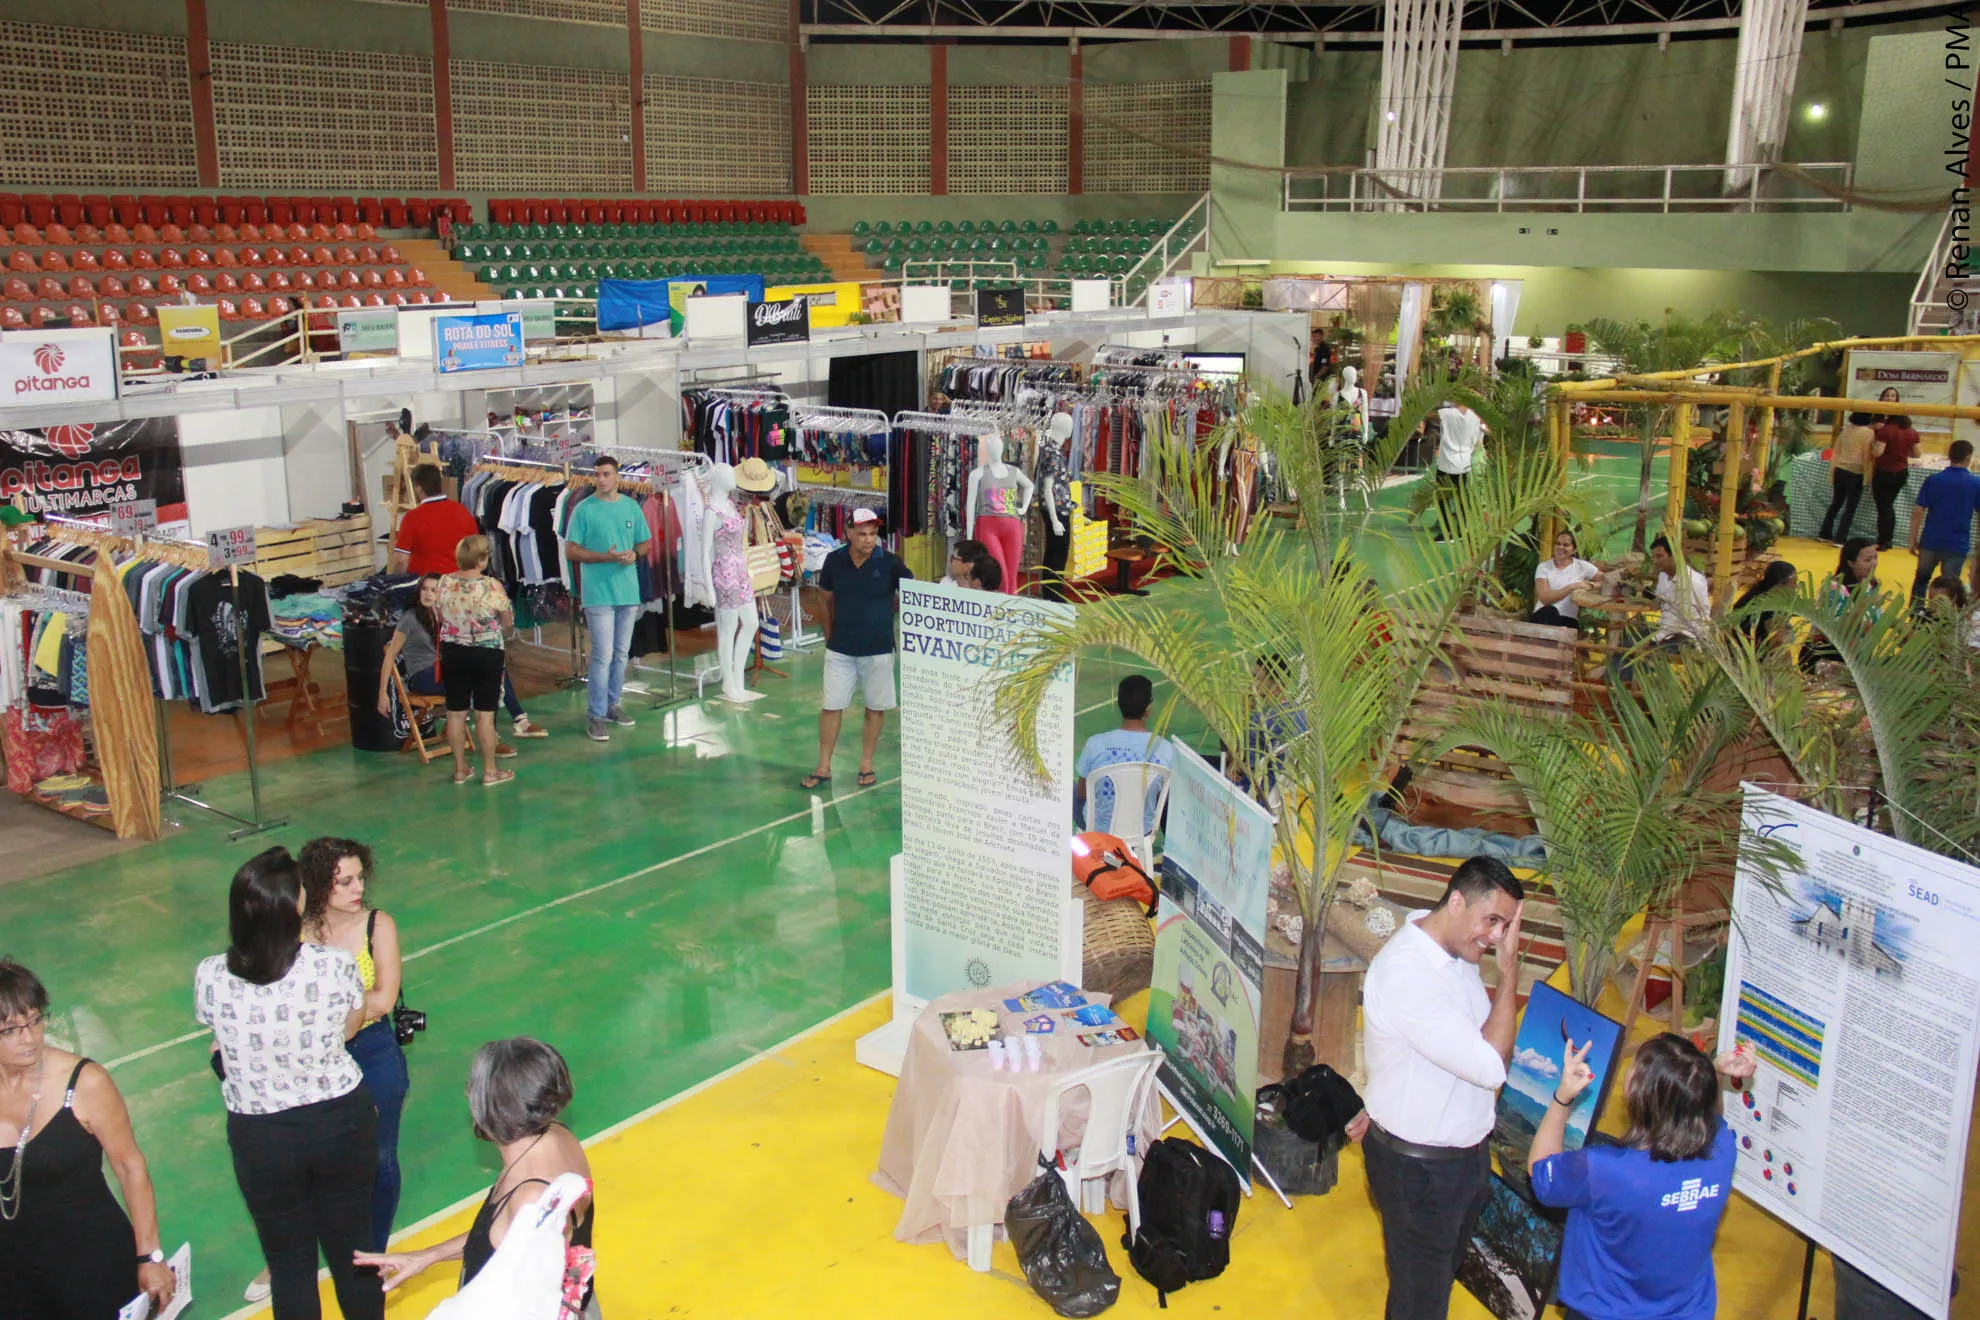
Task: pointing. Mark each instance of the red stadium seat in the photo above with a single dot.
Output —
(85, 260)
(232, 212)
(57, 235)
(366, 256)
(172, 259)
(374, 300)
(343, 232)
(178, 210)
(302, 210)
(171, 232)
(252, 256)
(394, 278)
(371, 279)
(280, 307)
(81, 286)
(224, 282)
(350, 279)
(343, 210)
(40, 211)
(326, 301)
(254, 211)
(346, 255)
(200, 258)
(11, 211)
(395, 214)
(11, 319)
(142, 286)
(17, 289)
(328, 279)
(88, 233)
(110, 286)
(298, 256)
(116, 234)
(50, 287)
(142, 232)
(144, 259)
(225, 233)
(418, 276)
(296, 232)
(501, 213)
(68, 208)
(389, 256)
(320, 232)
(54, 260)
(27, 235)
(322, 256)
(134, 339)
(305, 281)
(225, 257)
(279, 211)
(198, 283)
(279, 281)
(114, 259)
(251, 282)
(23, 260)
(109, 314)
(250, 232)
(253, 310)
(80, 315)
(350, 300)
(366, 231)
(421, 213)
(462, 209)
(150, 211)
(198, 233)
(170, 285)
(96, 209)
(123, 209)
(228, 311)
(205, 211)
(42, 317)
(370, 210)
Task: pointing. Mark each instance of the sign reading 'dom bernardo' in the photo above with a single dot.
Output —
(478, 343)
(985, 847)
(780, 321)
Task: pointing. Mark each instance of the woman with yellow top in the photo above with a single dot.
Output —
(335, 873)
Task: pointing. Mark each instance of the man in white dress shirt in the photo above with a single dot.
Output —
(1684, 597)
(1437, 1047)
(1460, 435)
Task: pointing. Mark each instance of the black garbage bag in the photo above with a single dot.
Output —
(1063, 1257)
(1316, 1105)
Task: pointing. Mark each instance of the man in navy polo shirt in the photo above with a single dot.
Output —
(861, 581)
(1945, 504)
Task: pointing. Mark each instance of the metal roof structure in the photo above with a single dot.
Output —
(1348, 22)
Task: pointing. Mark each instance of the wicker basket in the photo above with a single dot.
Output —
(1119, 955)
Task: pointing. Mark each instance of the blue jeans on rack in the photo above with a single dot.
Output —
(611, 628)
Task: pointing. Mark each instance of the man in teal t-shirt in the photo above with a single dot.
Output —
(606, 537)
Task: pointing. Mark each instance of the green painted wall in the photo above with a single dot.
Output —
(1009, 66)
(1905, 122)
(322, 25)
(871, 63)
(153, 17)
(840, 213)
(1157, 61)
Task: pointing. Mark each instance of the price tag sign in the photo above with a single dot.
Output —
(134, 518)
(229, 546)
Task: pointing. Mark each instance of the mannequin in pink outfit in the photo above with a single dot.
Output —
(999, 496)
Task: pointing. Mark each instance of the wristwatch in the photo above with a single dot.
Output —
(156, 1256)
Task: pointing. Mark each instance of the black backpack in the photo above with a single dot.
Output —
(1189, 1204)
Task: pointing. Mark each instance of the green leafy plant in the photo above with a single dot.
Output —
(1347, 652)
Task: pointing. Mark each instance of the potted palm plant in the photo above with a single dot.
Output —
(1297, 629)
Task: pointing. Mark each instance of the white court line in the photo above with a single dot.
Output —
(514, 917)
(755, 1057)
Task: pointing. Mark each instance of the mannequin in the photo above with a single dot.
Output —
(997, 499)
(1055, 500)
(1355, 399)
(723, 537)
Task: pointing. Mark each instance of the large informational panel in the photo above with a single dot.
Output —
(1854, 981)
(986, 847)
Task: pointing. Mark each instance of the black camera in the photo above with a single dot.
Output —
(407, 1023)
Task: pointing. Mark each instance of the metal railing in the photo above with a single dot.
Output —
(1934, 297)
(1576, 189)
(1190, 233)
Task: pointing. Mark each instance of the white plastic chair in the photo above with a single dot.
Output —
(1131, 781)
(1118, 1089)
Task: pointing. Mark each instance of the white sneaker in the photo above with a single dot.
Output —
(258, 1291)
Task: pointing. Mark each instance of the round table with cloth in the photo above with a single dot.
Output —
(962, 1139)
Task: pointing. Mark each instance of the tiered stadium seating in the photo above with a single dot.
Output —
(640, 211)
(559, 259)
(1094, 249)
(117, 275)
(72, 210)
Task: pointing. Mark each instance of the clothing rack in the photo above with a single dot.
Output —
(946, 423)
(1127, 355)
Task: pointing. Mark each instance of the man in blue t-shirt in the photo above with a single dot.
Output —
(861, 582)
(607, 535)
(1947, 502)
(1129, 743)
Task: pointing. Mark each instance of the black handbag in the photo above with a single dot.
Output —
(406, 1022)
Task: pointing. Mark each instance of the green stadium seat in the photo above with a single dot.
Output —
(1049, 227)
(938, 247)
(489, 274)
(1028, 227)
(873, 247)
(966, 227)
(923, 228)
(1006, 226)
(512, 292)
(861, 229)
(882, 228)
(946, 227)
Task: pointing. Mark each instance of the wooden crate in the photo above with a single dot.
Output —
(1488, 659)
(334, 550)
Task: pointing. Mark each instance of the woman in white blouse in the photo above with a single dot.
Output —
(300, 1123)
(1555, 581)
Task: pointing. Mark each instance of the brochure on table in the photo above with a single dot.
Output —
(982, 890)
(1853, 983)
(1205, 997)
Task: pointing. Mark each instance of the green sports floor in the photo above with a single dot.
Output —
(661, 907)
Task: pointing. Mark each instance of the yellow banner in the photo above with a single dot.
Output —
(831, 304)
(189, 331)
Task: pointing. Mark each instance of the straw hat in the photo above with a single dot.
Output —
(754, 475)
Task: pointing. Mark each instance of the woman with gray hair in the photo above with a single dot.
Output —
(516, 1090)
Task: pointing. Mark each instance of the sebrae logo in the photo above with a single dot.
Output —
(1689, 1193)
(49, 358)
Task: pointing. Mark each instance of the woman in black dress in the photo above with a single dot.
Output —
(67, 1249)
(516, 1090)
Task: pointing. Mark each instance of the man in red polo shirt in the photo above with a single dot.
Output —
(428, 533)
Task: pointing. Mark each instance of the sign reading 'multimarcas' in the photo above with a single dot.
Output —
(57, 366)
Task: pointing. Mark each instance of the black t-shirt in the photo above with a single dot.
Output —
(863, 598)
(217, 628)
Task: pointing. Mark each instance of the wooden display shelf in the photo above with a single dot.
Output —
(335, 551)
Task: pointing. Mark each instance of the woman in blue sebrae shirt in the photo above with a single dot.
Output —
(1642, 1215)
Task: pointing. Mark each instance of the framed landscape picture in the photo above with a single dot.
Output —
(1551, 1020)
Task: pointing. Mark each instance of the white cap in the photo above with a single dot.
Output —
(864, 516)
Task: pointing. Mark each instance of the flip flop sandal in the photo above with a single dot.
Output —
(868, 778)
(490, 781)
(462, 779)
(814, 781)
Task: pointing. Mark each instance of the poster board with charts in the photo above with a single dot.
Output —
(1206, 994)
(1852, 982)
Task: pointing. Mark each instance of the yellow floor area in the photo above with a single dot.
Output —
(750, 1197)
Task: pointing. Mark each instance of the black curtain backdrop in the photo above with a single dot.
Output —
(889, 382)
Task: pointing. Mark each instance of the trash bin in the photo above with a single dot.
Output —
(364, 660)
